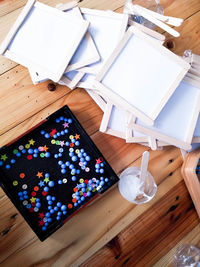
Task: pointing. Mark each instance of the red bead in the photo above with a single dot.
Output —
(44, 193)
(33, 194)
(31, 209)
(86, 181)
(29, 157)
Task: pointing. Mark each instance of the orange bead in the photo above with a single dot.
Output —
(70, 206)
(22, 175)
(74, 200)
(75, 189)
(36, 188)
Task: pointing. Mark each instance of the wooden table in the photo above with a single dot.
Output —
(135, 235)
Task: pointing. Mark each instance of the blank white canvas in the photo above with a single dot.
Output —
(106, 32)
(47, 47)
(142, 75)
(176, 117)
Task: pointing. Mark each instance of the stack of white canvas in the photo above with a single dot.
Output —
(148, 94)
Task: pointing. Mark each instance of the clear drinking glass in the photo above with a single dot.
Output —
(134, 189)
(187, 255)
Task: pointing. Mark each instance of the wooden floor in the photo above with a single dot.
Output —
(111, 231)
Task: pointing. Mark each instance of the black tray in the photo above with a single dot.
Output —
(38, 176)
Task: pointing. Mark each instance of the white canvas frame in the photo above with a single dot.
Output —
(91, 56)
(79, 30)
(168, 140)
(117, 99)
(157, 36)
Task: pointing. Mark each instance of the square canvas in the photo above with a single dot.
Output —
(138, 68)
(36, 40)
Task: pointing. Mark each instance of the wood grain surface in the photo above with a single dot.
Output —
(111, 231)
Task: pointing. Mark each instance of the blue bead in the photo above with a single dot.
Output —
(42, 132)
(63, 207)
(47, 135)
(67, 163)
(97, 181)
(47, 154)
(18, 154)
(48, 214)
(12, 161)
(82, 150)
(82, 167)
(71, 166)
(97, 170)
(61, 118)
(46, 189)
(87, 158)
(50, 202)
(60, 162)
(21, 198)
(57, 120)
(70, 120)
(49, 219)
(67, 143)
(55, 136)
(56, 156)
(52, 211)
(75, 204)
(74, 158)
(30, 151)
(71, 154)
(90, 182)
(101, 183)
(84, 154)
(59, 181)
(1, 162)
(24, 151)
(58, 218)
(64, 212)
(38, 205)
(61, 150)
(84, 163)
(77, 197)
(80, 155)
(73, 140)
(46, 224)
(83, 190)
(74, 178)
(58, 134)
(49, 207)
(83, 185)
(37, 200)
(36, 150)
(51, 184)
(101, 170)
(60, 155)
(102, 164)
(44, 228)
(53, 198)
(63, 171)
(56, 208)
(73, 171)
(25, 197)
(77, 193)
(79, 201)
(66, 131)
(77, 143)
(88, 194)
(35, 155)
(78, 171)
(62, 132)
(63, 166)
(48, 198)
(47, 175)
(7, 166)
(25, 192)
(28, 206)
(97, 166)
(90, 188)
(82, 198)
(82, 159)
(59, 213)
(59, 204)
(101, 178)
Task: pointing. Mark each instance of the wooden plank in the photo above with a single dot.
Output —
(20, 99)
(153, 233)
(191, 238)
(84, 234)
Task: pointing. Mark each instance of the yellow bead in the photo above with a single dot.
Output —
(81, 181)
(53, 141)
(15, 183)
(27, 146)
(71, 137)
(77, 151)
